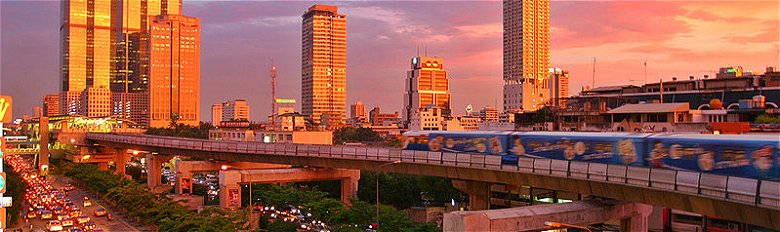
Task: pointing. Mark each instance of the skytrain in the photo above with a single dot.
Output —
(749, 156)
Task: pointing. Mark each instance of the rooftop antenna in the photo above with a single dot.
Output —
(273, 94)
(645, 72)
(593, 83)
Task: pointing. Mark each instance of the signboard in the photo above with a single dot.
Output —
(6, 202)
(6, 103)
(234, 198)
(285, 100)
(2, 182)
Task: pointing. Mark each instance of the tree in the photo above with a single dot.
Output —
(767, 119)
(351, 134)
(283, 226)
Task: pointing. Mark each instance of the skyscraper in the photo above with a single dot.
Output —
(216, 114)
(131, 27)
(235, 110)
(86, 47)
(526, 54)
(174, 77)
(51, 105)
(426, 84)
(324, 64)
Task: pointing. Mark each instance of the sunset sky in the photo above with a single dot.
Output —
(676, 38)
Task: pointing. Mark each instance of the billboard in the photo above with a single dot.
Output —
(608, 148)
(6, 104)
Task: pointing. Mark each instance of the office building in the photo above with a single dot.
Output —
(426, 84)
(174, 77)
(131, 28)
(559, 86)
(37, 111)
(526, 54)
(131, 106)
(216, 114)
(377, 118)
(51, 105)
(730, 72)
(358, 112)
(428, 118)
(488, 114)
(235, 110)
(324, 64)
(95, 102)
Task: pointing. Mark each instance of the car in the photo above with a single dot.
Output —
(68, 187)
(83, 219)
(54, 225)
(32, 214)
(75, 229)
(88, 225)
(60, 216)
(100, 211)
(75, 213)
(67, 221)
(87, 202)
(46, 214)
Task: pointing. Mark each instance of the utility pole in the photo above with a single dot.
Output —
(645, 72)
(593, 83)
(273, 95)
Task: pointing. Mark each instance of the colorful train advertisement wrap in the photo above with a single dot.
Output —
(624, 150)
(749, 156)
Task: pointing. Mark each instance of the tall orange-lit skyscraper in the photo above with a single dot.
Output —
(174, 77)
(324, 64)
(526, 54)
(86, 50)
(426, 84)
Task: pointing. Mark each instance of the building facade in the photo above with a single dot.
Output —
(427, 119)
(174, 80)
(235, 110)
(357, 112)
(131, 106)
(488, 114)
(324, 64)
(559, 86)
(526, 54)
(426, 84)
(216, 113)
(51, 105)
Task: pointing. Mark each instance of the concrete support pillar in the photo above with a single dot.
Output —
(154, 170)
(229, 189)
(349, 187)
(183, 184)
(103, 166)
(43, 156)
(638, 219)
(479, 193)
(120, 160)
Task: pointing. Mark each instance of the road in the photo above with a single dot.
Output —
(77, 197)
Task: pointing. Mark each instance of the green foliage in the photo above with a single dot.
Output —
(283, 226)
(403, 191)
(351, 134)
(394, 142)
(286, 195)
(545, 114)
(768, 119)
(181, 130)
(151, 208)
(14, 187)
(135, 173)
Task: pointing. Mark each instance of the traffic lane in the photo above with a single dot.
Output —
(77, 197)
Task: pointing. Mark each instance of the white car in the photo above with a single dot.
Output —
(54, 225)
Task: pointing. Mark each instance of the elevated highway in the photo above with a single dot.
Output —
(732, 198)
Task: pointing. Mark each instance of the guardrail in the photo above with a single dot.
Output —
(12, 151)
(762, 193)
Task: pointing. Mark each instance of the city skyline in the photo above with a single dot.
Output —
(701, 37)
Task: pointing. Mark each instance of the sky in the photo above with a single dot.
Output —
(240, 38)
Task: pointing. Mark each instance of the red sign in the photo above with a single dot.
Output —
(234, 198)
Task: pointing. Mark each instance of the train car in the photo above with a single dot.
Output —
(608, 148)
(750, 156)
(480, 142)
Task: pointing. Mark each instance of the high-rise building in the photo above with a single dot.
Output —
(37, 111)
(95, 102)
(86, 49)
(377, 118)
(51, 105)
(132, 106)
(526, 54)
(426, 84)
(131, 28)
(236, 110)
(358, 111)
(559, 86)
(324, 64)
(174, 77)
(216, 114)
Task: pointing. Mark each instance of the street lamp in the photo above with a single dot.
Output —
(378, 169)
(554, 225)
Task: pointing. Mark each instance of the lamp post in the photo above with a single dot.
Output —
(378, 169)
(554, 225)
